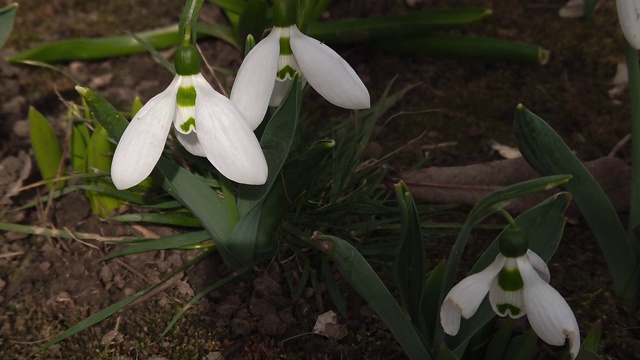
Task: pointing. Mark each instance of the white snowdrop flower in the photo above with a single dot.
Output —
(517, 284)
(629, 15)
(205, 122)
(266, 74)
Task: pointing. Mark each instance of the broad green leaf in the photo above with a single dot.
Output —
(7, 18)
(80, 137)
(545, 151)
(276, 142)
(46, 147)
(446, 354)
(409, 266)
(457, 46)
(589, 7)
(357, 271)
(99, 154)
(543, 225)
(377, 28)
(233, 6)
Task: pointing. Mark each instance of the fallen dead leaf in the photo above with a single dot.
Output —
(327, 325)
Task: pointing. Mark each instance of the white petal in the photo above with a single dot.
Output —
(255, 80)
(328, 73)
(227, 140)
(549, 314)
(142, 143)
(507, 302)
(539, 265)
(465, 298)
(190, 143)
(629, 15)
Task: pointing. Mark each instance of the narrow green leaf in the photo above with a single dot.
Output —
(233, 6)
(378, 28)
(445, 353)
(457, 46)
(366, 282)
(430, 306)
(155, 53)
(46, 147)
(169, 242)
(592, 341)
(545, 151)
(7, 18)
(304, 278)
(164, 219)
(589, 7)
(333, 289)
(499, 342)
(113, 46)
(522, 347)
(253, 20)
(409, 266)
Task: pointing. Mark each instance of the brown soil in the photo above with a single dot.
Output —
(49, 284)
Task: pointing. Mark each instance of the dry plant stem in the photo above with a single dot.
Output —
(42, 231)
(213, 74)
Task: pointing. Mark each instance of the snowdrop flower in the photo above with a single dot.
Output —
(517, 283)
(205, 122)
(266, 74)
(629, 15)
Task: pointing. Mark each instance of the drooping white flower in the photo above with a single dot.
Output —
(516, 286)
(266, 74)
(205, 122)
(629, 15)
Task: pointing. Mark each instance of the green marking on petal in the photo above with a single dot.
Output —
(285, 46)
(188, 125)
(286, 72)
(508, 308)
(510, 279)
(186, 96)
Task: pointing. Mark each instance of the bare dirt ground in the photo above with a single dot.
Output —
(49, 284)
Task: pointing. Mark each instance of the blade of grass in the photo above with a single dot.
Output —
(164, 219)
(110, 310)
(169, 242)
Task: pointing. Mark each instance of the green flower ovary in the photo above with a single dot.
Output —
(510, 279)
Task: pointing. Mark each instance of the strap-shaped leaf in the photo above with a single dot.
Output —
(366, 282)
(7, 18)
(545, 151)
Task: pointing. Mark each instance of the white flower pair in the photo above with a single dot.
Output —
(208, 124)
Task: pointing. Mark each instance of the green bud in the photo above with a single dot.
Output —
(187, 60)
(284, 13)
(513, 242)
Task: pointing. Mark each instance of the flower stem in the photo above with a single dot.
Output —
(188, 20)
(634, 95)
(509, 218)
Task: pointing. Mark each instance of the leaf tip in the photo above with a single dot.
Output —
(82, 90)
